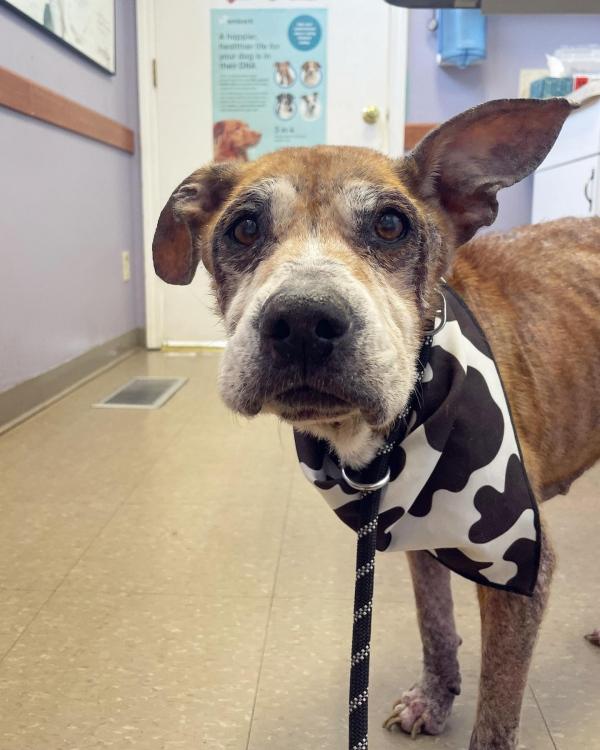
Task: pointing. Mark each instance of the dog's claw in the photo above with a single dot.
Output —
(389, 723)
(594, 637)
(393, 719)
(417, 727)
(407, 717)
(418, 712)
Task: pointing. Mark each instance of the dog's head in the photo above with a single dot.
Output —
(234, 135)
(325, 261)
(311, 66)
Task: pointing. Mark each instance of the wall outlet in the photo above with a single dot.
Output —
(125, 265)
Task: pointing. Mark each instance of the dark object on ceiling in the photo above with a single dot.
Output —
(507, 6)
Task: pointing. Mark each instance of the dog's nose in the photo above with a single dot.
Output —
(304, 331)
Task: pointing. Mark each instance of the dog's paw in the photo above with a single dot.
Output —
(594, 637)
(422, 710)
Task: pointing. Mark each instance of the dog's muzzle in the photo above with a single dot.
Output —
(304, 333)
(308, 354)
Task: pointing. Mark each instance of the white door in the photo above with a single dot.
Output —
(365, 67)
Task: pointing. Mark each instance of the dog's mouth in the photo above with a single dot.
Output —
(305, 403)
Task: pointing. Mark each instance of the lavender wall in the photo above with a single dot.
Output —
(68, 207)
(514, 42)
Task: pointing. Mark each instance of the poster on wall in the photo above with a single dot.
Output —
(269, 76)
(86, 25)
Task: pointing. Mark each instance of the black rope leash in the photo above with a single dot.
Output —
(372, 481)
(361, 631)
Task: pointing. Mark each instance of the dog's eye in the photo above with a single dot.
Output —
(245, 231)
(391, 225)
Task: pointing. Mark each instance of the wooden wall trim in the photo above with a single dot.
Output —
(414, 131)
(31, 99)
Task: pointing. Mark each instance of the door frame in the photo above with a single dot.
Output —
(149, 143)
(149, 173)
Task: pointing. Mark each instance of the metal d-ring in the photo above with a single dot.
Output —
(366, 487)
(444, 312)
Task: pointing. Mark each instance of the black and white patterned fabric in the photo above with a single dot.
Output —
(458, 485)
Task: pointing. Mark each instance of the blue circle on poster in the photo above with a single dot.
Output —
(305, 33)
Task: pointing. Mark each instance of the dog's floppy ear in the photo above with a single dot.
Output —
(177, 240)
(461, 166)
(218, 129)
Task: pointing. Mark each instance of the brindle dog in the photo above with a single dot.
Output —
(325, 264)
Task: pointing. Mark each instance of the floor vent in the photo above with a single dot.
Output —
(142, 393)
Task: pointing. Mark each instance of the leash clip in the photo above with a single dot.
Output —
(360, 487)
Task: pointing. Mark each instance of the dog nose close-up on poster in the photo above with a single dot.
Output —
(275, 252)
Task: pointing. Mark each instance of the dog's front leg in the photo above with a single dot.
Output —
(509, 627)
(427, 705)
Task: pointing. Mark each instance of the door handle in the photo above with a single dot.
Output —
(371, 114)
(588, 185)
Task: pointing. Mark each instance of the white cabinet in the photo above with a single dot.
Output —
(568, 181)
(568, 190)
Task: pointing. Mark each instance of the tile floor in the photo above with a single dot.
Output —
(168, 580)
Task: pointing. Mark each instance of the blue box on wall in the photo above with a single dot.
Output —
(462, 37)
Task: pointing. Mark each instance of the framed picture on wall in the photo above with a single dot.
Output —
(87, 26)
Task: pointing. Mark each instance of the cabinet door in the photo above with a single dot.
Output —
(568, 190)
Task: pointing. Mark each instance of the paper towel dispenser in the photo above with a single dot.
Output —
(507, 6)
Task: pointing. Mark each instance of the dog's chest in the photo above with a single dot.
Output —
(458, 485)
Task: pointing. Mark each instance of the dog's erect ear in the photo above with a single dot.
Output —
(177, 239)
(462, 165)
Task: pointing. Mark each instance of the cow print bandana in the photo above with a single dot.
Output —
(458, 486)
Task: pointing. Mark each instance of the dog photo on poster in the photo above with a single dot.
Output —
(268, 79)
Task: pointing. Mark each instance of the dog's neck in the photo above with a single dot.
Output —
(353, 440)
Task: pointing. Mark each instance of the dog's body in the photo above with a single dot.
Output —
(536, 294)
(232, 139)
(326, 263)
(284, 74)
